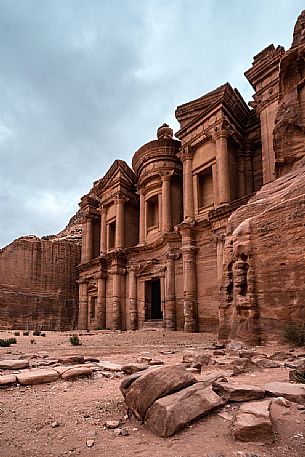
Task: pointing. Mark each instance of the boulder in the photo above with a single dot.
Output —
(292, 392)
(196, 357)
(253, 422)
(282, 355)
(131, 368)
(71, 359)
(242, 365)
(266, 363)
(155, 384)
(39, 376)
(238, 392)
(8, 380)
(173, 412)
(76, 372)
(109, 366)
(14, 364)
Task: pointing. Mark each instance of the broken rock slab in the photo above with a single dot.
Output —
(253, 422)
(196, 357)
(39, 376)
(238, 392)
(14, 364)
(131, 368)
(155, 384)
(170, 414)
(110, 366)
(71, 359)
(292, 392)
(8, 380)
(76, 372)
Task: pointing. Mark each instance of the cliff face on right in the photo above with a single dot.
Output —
(264, 276)
(263, 281)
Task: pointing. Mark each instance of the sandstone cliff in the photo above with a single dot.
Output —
(38, 286)
(264, 275)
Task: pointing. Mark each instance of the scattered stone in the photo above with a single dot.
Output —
(155, 384)
(7, 380)
(39, 376)
(112, 424)
(234, 346)
(173, 412)
(196, 357)
(281, 355)
(292, 392)
(253, 422)
(71, 359)
(90, 443)
(238, 392)
(133, 368)
(76, 372)
(242, 365)
(219, 352)
(144, 359)
(110, 366)
(14, 364)
(121, 432)
(266, 363)
(282, 402)
(248, 354)
(91, 359)
(55, 424)
(192, 370)
(213, 377)
(168, 352)
(155, 362)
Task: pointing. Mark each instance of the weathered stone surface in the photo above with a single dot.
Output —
(14, 364)
(155, 384)
(7, 379)
(131, 368)
(253, 422)
(238, 392)
(243, 365)
(292, 392)
(71, 359)
(76, 372)
(173, 412)
(38, 286)
(39, 376)
(109, 366)
(266, 363)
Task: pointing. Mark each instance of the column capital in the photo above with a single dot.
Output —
(120, 199)
(221, 132)
(102, 209)
(166, 175)
(185, 153)
(173, 255)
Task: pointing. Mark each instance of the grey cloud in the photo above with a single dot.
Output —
(84, 83)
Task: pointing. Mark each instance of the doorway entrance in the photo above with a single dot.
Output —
(153, 309)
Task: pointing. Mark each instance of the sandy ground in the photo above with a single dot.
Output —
(81, 407)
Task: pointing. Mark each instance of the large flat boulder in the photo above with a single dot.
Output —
(76, 372)
(109, 366)
(253, 422)
(155, 384)
(12, 364)
(39, 376)
(72, 359)
(173, 412)
(8, 380)
(292, 392)
(238, 392)
(131, 368)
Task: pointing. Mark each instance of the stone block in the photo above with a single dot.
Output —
(39, 376)
(173, 412)
(253, 422)
(292, 392)
(14, 364)
(238, 392)
(8, 380)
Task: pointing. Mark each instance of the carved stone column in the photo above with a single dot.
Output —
(103, 237)
(170, 311)
(219, 240)
(160, 211)
(186, 157)
(118, 277)
(84, 241)
(119, 227)
(186, 229)
(83, 306)
(133, 310)
(142, 219)
(166, 203)
(222, 165)
(101, 301)
(87, 251)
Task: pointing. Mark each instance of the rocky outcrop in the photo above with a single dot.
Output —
(263, 266)
(38, 286)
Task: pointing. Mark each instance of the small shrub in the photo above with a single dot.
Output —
(12, 340)
(74, 340)
(33, 341)
(295, 333)
(26, 333)
(36, 333)
(4, 343)
(17, 333)
(42, 334)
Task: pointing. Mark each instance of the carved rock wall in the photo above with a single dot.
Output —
(263, 269)
(38, 286)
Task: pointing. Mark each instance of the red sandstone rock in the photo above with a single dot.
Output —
(253, 422)
(38, 376)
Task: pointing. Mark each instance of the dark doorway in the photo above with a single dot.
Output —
(153, 299)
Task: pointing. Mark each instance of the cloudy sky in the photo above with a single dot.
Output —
(85, 82)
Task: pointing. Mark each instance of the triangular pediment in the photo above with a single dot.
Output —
(119, 175)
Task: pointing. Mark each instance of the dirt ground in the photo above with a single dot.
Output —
(81, 407)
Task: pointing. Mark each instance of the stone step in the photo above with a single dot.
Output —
(153, 324)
